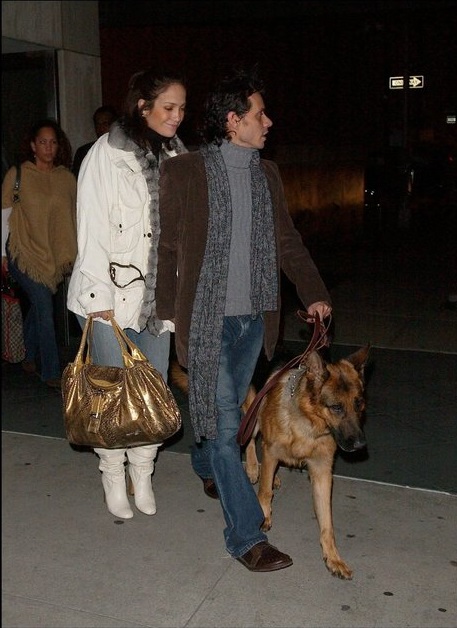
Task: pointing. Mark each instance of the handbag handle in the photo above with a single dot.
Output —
(130, 352)
(135, 353)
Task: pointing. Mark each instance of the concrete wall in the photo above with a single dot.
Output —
(71, 29)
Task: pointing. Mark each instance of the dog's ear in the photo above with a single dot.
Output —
(359, 359)
(316, 366)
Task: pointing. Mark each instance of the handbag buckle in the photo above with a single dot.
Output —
(95, 413)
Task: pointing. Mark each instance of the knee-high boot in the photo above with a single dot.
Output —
(141, 466)
(113, 480)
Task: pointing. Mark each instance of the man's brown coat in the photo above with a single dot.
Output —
(184, 212)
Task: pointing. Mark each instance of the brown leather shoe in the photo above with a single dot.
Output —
(265, 557)
(209, 488)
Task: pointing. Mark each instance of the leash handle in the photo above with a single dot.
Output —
(318, 340)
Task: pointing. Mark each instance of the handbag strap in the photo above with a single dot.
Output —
(135, 353)
(130, 352)
(318, 340)
(79, 358)
(17, 184)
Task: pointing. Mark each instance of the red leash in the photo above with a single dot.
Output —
(318, 340)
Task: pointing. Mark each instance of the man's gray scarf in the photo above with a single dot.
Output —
(150, 170)
(205, 334)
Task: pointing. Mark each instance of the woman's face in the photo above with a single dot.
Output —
(45, 147)
(167, 112)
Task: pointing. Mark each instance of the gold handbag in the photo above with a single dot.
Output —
(112, 407)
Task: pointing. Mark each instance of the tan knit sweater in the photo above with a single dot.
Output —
(42, 225)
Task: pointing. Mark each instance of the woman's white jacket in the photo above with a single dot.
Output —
(114, 236)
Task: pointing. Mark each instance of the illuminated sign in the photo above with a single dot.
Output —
(397, 82)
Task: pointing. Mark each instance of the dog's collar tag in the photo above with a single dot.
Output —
(294, 378)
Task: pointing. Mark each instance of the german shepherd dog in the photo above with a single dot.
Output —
(302, 419)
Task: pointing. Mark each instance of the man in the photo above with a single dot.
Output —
(103, 118)
(225, 235)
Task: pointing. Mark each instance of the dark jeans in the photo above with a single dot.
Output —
(220, 458)
(39, 331)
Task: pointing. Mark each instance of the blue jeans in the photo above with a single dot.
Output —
(105, 349)
(220, 458)
(39, 331)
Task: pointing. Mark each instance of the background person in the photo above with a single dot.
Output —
(115, 270)
(40, 238)
(225, 235)
(103, 118)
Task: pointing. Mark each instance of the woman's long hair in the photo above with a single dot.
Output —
(64, 152)
(146, 85)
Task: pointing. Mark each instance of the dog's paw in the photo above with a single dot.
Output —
(253, 473)
(277, 482)
(266, 525)
(338, 568)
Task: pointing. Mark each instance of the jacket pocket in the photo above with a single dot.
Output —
(127, 215)
(127, 305)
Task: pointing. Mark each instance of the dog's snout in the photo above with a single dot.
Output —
(360, 442)
(350, 443)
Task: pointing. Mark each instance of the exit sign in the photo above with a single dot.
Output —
(398, 82)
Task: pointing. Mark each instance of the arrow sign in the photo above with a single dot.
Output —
(398, 82)
(416, 81)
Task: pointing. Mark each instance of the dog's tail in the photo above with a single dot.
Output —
(180, 378)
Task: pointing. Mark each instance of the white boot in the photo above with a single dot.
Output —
(113, 480)
(141, 467)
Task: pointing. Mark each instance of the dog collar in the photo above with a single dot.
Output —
(294, 378)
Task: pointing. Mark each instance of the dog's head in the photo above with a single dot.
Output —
(337, 391)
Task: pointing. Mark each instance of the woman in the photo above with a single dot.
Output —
(115, 270)
(41, 238)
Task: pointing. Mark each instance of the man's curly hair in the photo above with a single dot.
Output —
(231, 93)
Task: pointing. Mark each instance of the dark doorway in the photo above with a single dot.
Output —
(29, 92)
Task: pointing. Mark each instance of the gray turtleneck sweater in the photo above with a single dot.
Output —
(237, 160)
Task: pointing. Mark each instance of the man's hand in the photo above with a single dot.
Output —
(322, 308)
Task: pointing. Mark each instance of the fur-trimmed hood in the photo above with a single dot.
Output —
(119, 139)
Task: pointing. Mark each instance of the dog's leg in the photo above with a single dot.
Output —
(267, 474)
(252, 463)
(320, 473)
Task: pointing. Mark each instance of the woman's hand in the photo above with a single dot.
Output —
(104, 314)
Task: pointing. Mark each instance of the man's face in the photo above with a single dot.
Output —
(103, 121)
(251, 129)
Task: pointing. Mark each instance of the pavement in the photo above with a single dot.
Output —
(68, 563)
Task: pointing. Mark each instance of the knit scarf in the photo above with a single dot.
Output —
(149, 164)
(205, 335)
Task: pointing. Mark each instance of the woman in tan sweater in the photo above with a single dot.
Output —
(40, 238)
